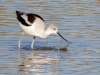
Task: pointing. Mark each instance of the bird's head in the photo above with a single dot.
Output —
(52, 29)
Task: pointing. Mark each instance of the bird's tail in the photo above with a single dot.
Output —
(18, 13)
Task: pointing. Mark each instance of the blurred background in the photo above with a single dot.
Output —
(77, 20)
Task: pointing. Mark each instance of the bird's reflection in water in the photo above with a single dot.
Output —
(39, 62)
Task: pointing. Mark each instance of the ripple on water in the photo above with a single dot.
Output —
(78, 22)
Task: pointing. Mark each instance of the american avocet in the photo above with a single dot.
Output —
(34, 25)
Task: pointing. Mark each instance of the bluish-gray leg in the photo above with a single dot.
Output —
(19, 42)
(48, 42)
(32, 43)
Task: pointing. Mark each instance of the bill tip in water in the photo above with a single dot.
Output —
(62, 37)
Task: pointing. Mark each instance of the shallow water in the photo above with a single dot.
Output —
(78, 21)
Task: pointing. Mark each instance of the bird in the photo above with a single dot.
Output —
(34, 25)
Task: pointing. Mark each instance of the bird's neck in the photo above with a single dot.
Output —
(46, 32)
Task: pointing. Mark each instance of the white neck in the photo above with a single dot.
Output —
(49, 30)
(46, 33)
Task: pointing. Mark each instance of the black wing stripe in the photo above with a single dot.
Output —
(39, 17)
(32, 17)
(20, 19)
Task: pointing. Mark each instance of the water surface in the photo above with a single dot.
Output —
(78, 21)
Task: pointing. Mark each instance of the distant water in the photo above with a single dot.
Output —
(78, 21)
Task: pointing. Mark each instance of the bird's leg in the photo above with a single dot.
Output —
(48, 42)
(32, 43)
(20, 40)
(60, 43)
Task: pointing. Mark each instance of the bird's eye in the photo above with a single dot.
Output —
(54, 28)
